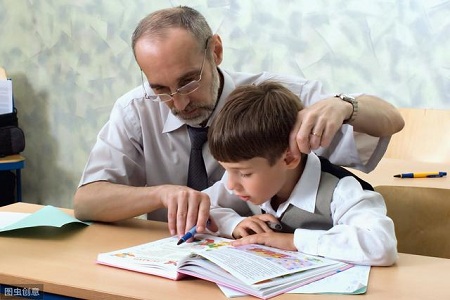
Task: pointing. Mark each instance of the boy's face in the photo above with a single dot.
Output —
(255, 180)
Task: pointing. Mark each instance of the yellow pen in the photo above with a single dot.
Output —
(422, 175)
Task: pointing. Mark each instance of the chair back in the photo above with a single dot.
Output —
(421, 217)
(425, 137)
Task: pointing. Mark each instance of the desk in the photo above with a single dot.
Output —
(65, 265)
(14, 162)
(388, 167)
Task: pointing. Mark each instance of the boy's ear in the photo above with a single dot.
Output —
(290, 160)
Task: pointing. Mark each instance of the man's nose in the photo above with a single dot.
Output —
(180, 101)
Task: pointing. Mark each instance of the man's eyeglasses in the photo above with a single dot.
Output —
(184, 90)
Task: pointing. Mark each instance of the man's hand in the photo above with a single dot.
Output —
(317, 124)
(186, 207)
(254, 224)
(278, 240)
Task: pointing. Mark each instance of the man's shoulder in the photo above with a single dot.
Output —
(241, 78)
(130, 96)
(133, 107)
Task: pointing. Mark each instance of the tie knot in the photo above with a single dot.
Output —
(198, 136)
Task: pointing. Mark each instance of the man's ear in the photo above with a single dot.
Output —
(290, 160)
(217, 49)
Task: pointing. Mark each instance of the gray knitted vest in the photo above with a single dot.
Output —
(295, 217)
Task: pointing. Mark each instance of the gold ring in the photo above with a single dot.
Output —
(316, 134)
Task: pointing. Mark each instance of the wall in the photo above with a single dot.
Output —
(69, 61)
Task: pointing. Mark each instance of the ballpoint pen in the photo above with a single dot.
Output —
(421, 175)
(190, 234)
(274, 226)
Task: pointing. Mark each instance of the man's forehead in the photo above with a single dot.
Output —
(168, 59)
(173, 38)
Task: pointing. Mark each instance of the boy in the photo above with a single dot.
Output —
(323, 209)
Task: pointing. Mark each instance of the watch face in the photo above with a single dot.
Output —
(346, 97)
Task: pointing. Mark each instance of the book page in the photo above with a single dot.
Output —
(255, 263)
(6, 103)
(352, 281)
(160, 257)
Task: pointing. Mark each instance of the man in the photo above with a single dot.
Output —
(140, 161)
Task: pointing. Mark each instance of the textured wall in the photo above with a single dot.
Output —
(69, 61)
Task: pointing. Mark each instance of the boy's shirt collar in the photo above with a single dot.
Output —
(304, 193)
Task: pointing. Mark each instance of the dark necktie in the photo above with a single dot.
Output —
(197, 176)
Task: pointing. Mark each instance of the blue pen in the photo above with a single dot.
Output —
(190, 234)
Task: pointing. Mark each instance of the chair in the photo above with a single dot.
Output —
(425, 136)
(421, 217)
(14, 163)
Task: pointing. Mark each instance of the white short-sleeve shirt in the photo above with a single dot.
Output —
(144, 144)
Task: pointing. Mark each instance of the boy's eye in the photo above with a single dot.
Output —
(246, 175)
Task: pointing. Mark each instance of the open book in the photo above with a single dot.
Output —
(256, 270)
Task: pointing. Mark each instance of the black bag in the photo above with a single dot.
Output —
(9, 119)
(12, 138)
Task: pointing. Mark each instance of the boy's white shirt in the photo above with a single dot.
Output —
(361, 232)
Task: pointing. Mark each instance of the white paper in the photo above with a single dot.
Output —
(6, 103)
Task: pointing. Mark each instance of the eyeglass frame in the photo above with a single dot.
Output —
(196, 83)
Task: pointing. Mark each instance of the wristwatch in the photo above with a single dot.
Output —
(353, 102)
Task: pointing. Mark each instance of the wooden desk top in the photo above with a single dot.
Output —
(388, 167)
(65, 264)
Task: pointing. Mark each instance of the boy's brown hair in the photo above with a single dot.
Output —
(256, 121)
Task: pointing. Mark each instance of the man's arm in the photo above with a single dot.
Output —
(317, 124)
(109, 202)
(376, 117)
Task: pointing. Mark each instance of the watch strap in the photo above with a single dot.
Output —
(353, 102)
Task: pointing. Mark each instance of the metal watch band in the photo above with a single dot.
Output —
(353, 102)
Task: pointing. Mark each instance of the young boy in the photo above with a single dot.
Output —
(323, 209)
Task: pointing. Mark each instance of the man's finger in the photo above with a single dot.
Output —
(182, 212)
(315, 138)
(172, 216)
(202, 209)
(293, 144)
(303, 133)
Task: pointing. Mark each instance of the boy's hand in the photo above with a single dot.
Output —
(254, 224)
(278, 240)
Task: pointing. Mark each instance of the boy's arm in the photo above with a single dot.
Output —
(226, 219)
(362, 233)
(227, 210)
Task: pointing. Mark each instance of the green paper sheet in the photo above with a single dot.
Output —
(46, 216)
